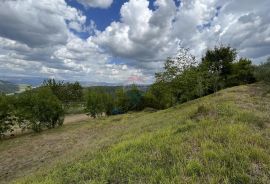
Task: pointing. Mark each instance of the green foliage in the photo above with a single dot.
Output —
(219, 60)
(66, 92)
(242, 73)
(121, 101)
(159, 96)
(6, 115)
(183, 79)
(134, 97)
(169, 146)
(262, 72)
(39, 109)
(99, 102)
(194, 168)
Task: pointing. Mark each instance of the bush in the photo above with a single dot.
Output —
(262, 72)
(6, 116)
(96, 103)
(39, 109)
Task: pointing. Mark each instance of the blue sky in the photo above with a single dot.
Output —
(123, 41)
(103, 17)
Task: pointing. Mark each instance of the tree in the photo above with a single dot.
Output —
(158, 96)
(7, 120)
(66, 92)
(174, 66)
(39, 109)
(121, 101)
(218, 62)
(134, 96)
(242, 73)
(166, 89)
(262, 72)
(96, 103)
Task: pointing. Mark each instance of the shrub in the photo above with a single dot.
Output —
(262, 72)
(39, 109)
(96, 103)
(6, 117)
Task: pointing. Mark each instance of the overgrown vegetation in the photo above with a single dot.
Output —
(6, 116)
(38, 109)
(8, 87)
(221, 138)
(184, 78)
(262, 72)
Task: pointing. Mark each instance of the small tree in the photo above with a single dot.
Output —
(262, 72)
(242, 73)
(218, 62)
(174, 66)
(121, 101)
(134, 98)
(96, 103)
(7, 120)
(66, 92)
(39, 109)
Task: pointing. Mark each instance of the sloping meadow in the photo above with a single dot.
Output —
(221, 138)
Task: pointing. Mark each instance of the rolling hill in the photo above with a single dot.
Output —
(220, 138)
(8, 87)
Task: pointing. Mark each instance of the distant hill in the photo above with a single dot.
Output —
(8, 87)
(112, 89)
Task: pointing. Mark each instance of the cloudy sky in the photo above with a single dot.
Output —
(121, 41)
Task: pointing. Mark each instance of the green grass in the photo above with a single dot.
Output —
(221, 138)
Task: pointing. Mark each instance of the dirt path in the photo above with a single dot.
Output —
(25, 154)
(75, 118)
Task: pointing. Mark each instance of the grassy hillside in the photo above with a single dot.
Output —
(221, 138)
(8, 87)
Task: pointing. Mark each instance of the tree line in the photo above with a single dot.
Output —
(38, 109)
(183, 78)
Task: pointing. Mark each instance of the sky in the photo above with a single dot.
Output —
(123, 41)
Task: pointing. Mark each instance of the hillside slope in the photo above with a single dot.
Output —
(221, 138)
(8, 87)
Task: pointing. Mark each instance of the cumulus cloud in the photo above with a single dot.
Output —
(38, 38)
(96, 3)
(37, 23)
(242, 24)
(141, 33)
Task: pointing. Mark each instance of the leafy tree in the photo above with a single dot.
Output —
(108, 103)
(242, 73)
(121, 101)
(134, 96)
(7, 120)
(218, 62)
(96, 103)
(262, 72)
(158, 96)
(174, 66)
(39, 109)
(183, 79)
(66, 92)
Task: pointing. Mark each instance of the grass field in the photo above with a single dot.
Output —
(221, 138)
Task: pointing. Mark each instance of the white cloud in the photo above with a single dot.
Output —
(142, 35)
(37, 23)
(35, 36)
(96, 3)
